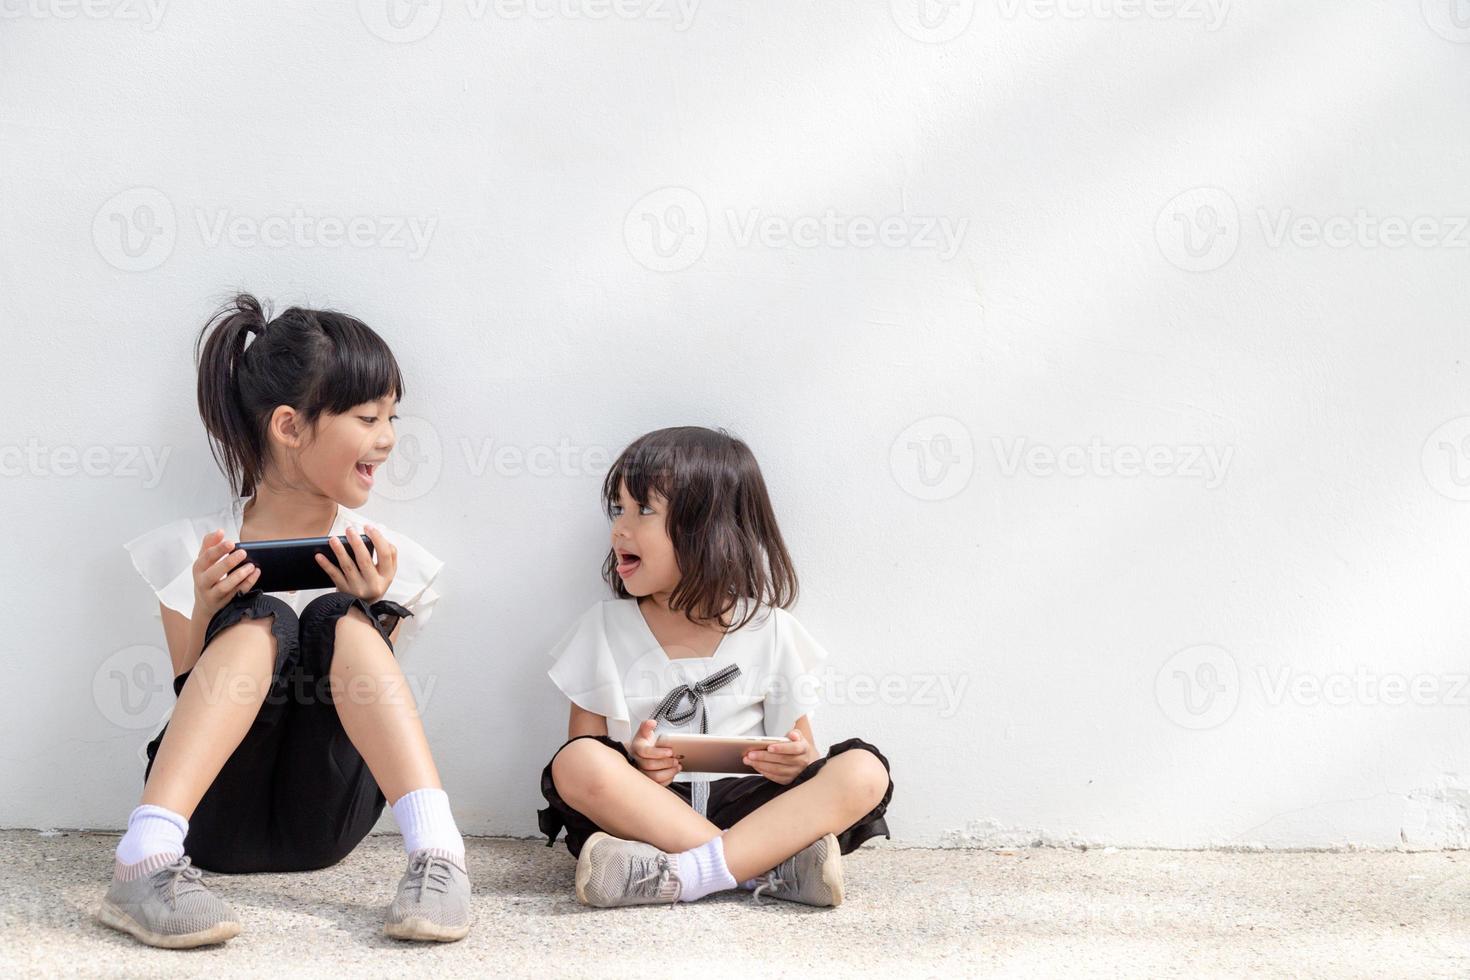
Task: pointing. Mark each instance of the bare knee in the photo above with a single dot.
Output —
(238, 663)
(863, 777)
(355, 616)
(584, 770)
(354, 623)
(250, 634)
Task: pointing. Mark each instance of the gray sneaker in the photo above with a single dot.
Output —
(812, 876)
(433, 901)
(162, 902)
(612, 872)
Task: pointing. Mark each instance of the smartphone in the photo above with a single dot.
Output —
(713, 753)
(289, 565)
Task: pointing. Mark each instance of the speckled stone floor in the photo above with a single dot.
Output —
(910, 912)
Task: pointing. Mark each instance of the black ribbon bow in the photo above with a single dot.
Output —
(672, 705)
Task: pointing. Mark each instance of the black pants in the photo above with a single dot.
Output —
(295, 795)
(730, 800)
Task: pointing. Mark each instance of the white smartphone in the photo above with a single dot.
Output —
(713, 753)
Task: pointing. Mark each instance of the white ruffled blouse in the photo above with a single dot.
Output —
(165, 558)
(610, 663)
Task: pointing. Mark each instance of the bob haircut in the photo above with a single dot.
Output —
(726, 541)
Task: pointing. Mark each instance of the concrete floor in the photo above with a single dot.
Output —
(910, 912)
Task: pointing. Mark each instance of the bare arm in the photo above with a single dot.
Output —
(185, 642)
(219, 573)
(584, 722)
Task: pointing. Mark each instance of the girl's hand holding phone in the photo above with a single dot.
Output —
(784, 761)
(357, 573)
(220, 573)
(655, 762)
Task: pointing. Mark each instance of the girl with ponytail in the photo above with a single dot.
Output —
(270, 761)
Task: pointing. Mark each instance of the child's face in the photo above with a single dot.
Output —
(640, 539)
(342, 453)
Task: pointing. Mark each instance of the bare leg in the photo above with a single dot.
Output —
(216, 706)
(597, 782)
(377, 709)
(841, 793)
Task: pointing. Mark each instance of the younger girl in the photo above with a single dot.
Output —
(272, 760)
(698, 639)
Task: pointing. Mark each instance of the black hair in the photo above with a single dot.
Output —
(316, 361)
(720, 520)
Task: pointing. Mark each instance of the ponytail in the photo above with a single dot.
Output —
(219, 351)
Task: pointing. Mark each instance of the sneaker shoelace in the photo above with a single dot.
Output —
(179, 878)
(652, 875)
(429, 871)
(778, 879)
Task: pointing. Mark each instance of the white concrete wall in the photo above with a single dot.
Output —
(1107, 360)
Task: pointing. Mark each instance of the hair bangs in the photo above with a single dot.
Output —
(360, 368)
(646, 468)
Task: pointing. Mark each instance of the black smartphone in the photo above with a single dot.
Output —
(289, 565)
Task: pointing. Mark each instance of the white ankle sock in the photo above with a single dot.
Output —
(425, 820)
(152, 831)
(702, 870)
